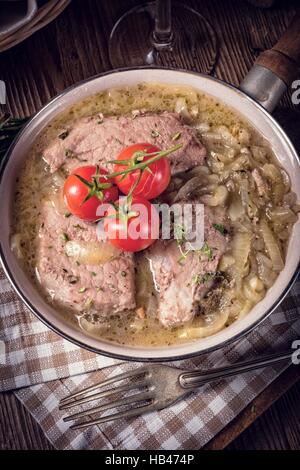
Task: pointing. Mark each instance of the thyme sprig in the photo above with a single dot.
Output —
(180, 237)
(95, 188)
(9, 128)
(138, 162)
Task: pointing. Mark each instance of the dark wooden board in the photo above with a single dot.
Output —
(271, 421)
(261, 435)
(74, 47)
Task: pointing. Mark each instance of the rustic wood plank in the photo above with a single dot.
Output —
(74, 47)
(263, 429)
(18, 430)
(277, 429)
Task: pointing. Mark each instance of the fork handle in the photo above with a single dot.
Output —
(199, 377)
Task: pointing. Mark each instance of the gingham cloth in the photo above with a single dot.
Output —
(44, 368)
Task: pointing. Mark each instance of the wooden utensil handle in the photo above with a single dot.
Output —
(284, 58)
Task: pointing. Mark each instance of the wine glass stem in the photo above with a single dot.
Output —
(162, 34)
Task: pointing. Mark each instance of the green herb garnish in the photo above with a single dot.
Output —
(89, 303)
(220, 228)
(65, 237)
(63, 135)
(82, 290)
(179, 235)
(176, 136)
(95, 188)
(100, 118)
(207, 250)
(70, 154)
(136, 163)
(155, 134)
(73, 279)
(9, 128)
(202, 278)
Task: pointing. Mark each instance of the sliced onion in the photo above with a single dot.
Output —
(252, 295)
(290, 199)
(236, 209)
(244, 192)
(272, 172)
(198, 171)
(259, 153)
(256, 284)
(227, 137)
(182, 109)
(202, 127)
(57, 200)
(212, 137)
(286, 180)
(254, 290)
(189, 188)
(240, 250)
(296, 208)
(93, 327)
(278, 192)
(193, 332)
(282, 215)
(252, 209)
(15, 245)
(271, 246)
(240, 163)
(137, 324)
(194, 110)
(91, 252)
(196, 186)
(244, 136)
(225, 262)
(58, 179)
(265, 269)
(245, 309)
(219, 197)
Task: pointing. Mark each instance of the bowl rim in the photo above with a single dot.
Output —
(100, 351)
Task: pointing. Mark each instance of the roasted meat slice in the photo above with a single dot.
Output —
(98, 142)
(181, 283)
(106, 288)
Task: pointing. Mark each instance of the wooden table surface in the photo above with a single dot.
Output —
(74, 47)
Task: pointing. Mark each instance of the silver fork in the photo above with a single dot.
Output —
(159, 386)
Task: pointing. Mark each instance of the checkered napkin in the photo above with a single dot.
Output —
(44, 368)
(30, 352)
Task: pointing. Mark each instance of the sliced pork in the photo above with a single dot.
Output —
(99, 140)
(183, 282)
(105, 288)
(261, 183)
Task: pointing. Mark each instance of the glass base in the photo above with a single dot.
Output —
(193, 45)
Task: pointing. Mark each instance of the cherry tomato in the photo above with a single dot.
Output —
(84, 192)
(134, 228)
(153, 181)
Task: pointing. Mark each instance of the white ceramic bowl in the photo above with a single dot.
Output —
(259, 119)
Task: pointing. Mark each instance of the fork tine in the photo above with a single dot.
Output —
(114, 404)
(104, 393)
(123, 414)
(116, 378)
